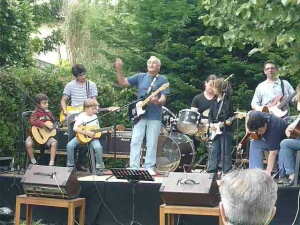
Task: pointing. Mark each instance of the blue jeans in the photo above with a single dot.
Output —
(221, 143)
(151, 128)
(288, 147)
(256, 155)
(94, 144)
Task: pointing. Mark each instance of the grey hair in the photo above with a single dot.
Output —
(156, 59)
(248, 197)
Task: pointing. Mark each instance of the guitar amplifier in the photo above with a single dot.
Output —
(190, 189)
(122, 140)
(51, 181)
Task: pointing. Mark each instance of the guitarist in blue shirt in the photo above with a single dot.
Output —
(149, 122)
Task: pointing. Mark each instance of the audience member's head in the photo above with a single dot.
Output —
(248, 197)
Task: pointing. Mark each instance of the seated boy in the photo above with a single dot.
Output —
(87, 118)
(41, 117)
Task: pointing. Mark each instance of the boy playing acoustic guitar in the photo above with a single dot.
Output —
(83, 123)
(42, 129)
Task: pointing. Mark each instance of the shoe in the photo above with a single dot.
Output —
(288, 182)
(81, 168)
(281, 180)
(151, 171)
(99, 172)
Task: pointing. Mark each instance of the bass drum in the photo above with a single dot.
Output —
(173, 152)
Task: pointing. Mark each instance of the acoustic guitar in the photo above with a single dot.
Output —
(84, 139)
(42, 135)
(296, 132)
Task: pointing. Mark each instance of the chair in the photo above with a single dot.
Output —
(71, 135)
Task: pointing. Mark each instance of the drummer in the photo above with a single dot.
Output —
(201, 103)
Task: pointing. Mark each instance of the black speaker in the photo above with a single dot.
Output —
(190, 189)
(122, 140)
(62, 138)
(51, 181)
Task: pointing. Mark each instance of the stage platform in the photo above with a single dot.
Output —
(109, 202)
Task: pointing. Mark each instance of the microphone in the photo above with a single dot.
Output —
(230, 76)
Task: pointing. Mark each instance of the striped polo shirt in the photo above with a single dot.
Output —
(78, 92)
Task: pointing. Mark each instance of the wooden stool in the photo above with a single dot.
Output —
(170, 210)
(61, 203)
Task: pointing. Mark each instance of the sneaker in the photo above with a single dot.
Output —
(281, 180)
(99, 172)
(151, 171)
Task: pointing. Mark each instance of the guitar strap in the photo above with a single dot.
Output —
(151, 85)
(282, 87)
(87, 87)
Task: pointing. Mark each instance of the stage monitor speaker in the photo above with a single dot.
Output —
(123, 139)
(51, 181)
(190, 189)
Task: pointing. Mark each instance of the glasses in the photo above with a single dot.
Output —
(270, 68)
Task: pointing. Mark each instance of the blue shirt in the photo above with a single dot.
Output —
(275, 132)
(143, 82)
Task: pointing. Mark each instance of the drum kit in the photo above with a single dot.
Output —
(175, 148)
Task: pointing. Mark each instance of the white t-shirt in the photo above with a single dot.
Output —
(82, 118)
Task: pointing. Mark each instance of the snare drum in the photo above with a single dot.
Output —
(188, 121)
(173, 152)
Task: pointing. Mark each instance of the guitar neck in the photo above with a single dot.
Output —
(229, 119)
(145, 102)
(287, 100)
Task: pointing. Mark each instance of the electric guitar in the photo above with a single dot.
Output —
(84, 139)
(137, 110)
(219, 125)
(42, 135)
(277, 109)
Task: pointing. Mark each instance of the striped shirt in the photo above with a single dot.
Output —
(78, 93)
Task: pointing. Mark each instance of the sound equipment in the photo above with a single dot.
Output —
(123, 139)
(51, 181)
(62, 138)
(190, 189)
(6, 164)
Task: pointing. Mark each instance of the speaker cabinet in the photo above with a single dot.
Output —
(122, 140)
(51, 181)
(190, 189)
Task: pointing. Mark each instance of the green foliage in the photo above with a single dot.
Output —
(16, 25)
(266, 25)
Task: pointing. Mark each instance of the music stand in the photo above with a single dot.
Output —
(133, 177)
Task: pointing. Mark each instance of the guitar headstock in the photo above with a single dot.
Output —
(164, 86)
(240, 115)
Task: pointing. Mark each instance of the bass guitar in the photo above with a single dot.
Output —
(220, 125)
(42, 135)
(137, 110)
(84, 139)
